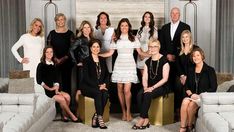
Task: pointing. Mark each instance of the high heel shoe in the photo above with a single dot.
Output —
(64, 118)
(101, 123)
(94, 121)
(146, 126)
(135, 127)
(191, 128)
(183, 129)
(77, 121)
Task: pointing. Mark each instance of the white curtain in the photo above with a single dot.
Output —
(12, 26)
(225, 36)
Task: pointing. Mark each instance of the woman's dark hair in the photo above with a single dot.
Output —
(98, 19)
(151, 24)
(118, 31)
(44, 54)
(199, 50)
(92, 41)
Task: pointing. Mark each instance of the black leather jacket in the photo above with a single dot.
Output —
(80, 49)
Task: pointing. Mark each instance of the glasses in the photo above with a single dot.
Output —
(153, 46)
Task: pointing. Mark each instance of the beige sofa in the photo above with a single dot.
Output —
(25, 112)
(216, 113)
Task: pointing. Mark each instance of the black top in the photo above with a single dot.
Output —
(92, 76)
(155, 68)
(80, 49)
(206, 80)
(169, 46)
(183, 62)
(61, 42)
(48, 75)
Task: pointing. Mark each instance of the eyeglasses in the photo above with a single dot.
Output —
(153, 46)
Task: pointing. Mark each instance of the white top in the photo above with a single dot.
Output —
(144, 39)
(105, 38)
(125, 66)
(32, 48)
(173, 28)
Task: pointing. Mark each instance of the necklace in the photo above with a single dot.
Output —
(98, 70)
(153, 73)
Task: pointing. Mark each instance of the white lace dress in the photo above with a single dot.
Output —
(144, 39)
(125, 66)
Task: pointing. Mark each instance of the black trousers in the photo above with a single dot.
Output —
(144, 99)
(100, 98)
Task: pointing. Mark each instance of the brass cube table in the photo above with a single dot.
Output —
(161, 110)
(86, 110)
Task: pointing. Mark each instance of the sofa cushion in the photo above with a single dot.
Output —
(25, 103)
(6, 116)
(24, 85)
(221, 102)
(215, 123)
(229, 117)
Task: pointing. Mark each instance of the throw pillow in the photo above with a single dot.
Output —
(24, 85)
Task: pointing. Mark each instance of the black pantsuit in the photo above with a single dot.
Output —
(144, 100)
(92, 78)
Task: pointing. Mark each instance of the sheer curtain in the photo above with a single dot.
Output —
(225, 36)
(12, 26)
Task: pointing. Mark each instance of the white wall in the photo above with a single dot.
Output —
(206, 24)
(206, 19)
(35, 8)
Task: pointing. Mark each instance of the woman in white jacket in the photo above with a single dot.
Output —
(33, 43)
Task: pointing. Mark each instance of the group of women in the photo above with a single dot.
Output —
(92, 51)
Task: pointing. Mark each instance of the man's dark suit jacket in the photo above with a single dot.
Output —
(169, 46)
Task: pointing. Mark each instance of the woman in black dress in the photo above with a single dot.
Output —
(155, 76)
(202, 78)
(48, 79)
(61, 39)
(95, 82)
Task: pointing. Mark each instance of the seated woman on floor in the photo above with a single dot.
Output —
(155, 76)
(95, 82)
(201, 78)
(47, 78)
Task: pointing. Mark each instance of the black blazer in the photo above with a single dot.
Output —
(90, 80)
(169, 46)
(207, 81)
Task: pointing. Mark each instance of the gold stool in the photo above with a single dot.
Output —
(161, 110)
(86, 110)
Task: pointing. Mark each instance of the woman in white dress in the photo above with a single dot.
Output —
(146, 32)
(33, 43)
(124, 72)
(104, 33)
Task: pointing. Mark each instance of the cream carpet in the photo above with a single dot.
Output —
(114, 125)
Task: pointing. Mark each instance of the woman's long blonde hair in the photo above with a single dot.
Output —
(80, 33)
(41, 32)
(190, 43)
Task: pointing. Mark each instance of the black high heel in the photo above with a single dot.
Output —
(191, 128)
(135, 127)
(101, 123)
(184, 129)
(94, 121)
(146, 126)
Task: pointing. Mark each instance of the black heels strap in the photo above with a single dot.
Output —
(101, 123)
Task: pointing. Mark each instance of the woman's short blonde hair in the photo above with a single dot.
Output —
(152, 40)
(59, 15)
(41, 32)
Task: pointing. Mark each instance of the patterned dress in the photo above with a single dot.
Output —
(125, 66)
(144, 39)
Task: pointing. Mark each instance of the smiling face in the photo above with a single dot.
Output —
(186, 39)
(60, 22)
(95, 48)
(103, 19)
(86, 30)
(36, 28)
(175, 15)
(197, 57)
(124, 28)
(49, 54)
(154, 47)
(147, 18)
